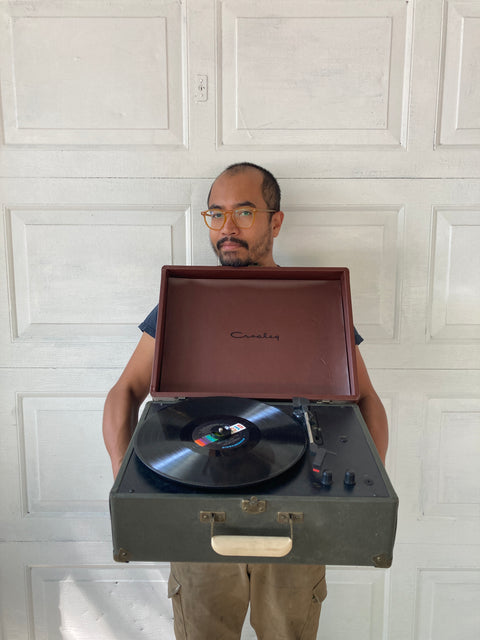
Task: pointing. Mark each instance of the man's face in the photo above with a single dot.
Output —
(243, 247)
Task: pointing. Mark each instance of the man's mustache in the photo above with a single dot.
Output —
(241, 243)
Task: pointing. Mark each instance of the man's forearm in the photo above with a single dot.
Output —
(120, 418)
(120, 415)
(374, 415)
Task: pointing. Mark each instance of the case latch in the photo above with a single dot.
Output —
(254, 505)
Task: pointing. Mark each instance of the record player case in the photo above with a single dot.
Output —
(282, 337)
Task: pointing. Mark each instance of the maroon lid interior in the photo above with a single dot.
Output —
(255, 332)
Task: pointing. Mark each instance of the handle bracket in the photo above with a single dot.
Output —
(256, 546)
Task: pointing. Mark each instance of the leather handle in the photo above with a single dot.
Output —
(265, 546)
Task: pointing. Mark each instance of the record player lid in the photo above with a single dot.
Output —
(266, 333)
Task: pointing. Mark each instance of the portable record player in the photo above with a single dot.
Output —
(253, 449)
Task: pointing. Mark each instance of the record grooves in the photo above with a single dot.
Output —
(219, 441)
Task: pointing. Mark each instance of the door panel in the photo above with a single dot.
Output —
(115, 119)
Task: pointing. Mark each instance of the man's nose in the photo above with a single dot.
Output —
(229, 228)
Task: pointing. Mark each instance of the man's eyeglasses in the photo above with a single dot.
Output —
(243, 217)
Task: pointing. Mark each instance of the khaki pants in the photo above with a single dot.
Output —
(210, 601)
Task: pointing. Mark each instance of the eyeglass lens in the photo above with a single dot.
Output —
(243, 218)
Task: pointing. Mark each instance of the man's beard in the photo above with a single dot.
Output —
(231, 258)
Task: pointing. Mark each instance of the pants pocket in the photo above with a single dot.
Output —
(320, 591)
(174, 593)
(173, 586)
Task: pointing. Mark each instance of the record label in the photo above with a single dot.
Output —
(219, 441)
(220, 436)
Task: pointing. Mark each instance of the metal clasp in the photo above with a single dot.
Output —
(212, 516)
(254, 505)
(284, 516)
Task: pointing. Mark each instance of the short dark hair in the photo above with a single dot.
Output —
(270, 187)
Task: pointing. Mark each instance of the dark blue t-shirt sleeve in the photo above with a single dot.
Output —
(358, 337)
(149, 325)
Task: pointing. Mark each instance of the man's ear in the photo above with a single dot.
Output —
(276, 222)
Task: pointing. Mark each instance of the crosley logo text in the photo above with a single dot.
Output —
(259, 336)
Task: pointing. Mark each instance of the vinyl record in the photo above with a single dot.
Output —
(219, 441)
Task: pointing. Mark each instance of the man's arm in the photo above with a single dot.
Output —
(120, 415)
(372, 408)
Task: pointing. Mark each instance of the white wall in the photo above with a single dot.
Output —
(115, 118)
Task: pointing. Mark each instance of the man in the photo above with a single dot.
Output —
(210, 601)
